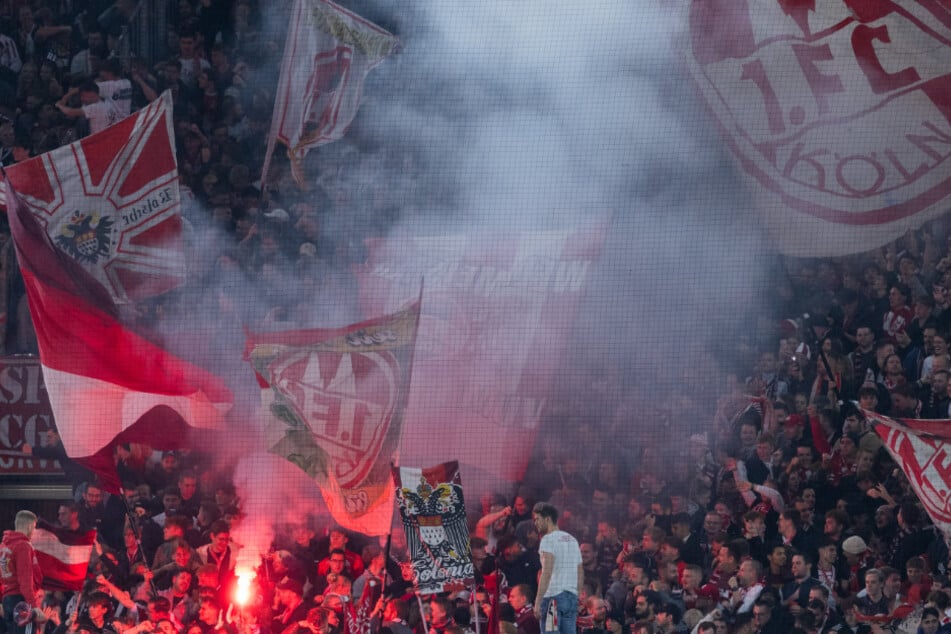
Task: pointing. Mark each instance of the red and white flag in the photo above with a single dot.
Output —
(111, 203)
(839, 113)
(107, 384)
(336, 400)
(922, 449)
(328, 54)
(63, 555)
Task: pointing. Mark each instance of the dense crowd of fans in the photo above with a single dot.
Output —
(71, 68)
(784, 514)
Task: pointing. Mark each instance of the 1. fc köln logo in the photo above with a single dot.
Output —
(347, 399)
(840, 108)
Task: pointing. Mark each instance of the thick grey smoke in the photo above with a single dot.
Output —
(503, 117)
(536, 115)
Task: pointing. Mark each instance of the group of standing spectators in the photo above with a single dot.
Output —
(780, 512)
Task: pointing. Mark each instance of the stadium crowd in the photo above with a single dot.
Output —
(784, 514)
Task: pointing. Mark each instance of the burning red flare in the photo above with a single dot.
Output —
(242, 591)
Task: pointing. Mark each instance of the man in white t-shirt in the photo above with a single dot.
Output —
(113, 87)
(556, 604)
(190, 57)
(101, 114)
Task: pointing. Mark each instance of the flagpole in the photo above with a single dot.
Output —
(130, 514)
(272, 134)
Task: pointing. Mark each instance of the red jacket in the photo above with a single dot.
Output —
(19, 570)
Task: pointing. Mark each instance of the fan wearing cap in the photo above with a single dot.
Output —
(291, 607)
(20, 574)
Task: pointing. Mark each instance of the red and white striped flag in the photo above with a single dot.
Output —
(328, 54)
(922, 449)
(63, 555)
(107, 384)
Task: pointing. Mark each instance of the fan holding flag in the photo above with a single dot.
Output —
(20, 574)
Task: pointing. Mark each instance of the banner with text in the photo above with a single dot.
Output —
(922, 448)
(493, 334)
(26, 416)
(434, 520)
(838, 112)
(336, 400)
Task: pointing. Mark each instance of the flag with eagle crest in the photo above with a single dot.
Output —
(98, 224)
(111, 203)
(434, 519)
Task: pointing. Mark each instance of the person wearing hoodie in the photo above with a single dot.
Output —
(20, 574)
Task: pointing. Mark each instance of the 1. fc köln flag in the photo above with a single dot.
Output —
(63, 555)
(336, 399)
(111, 203)
(434, 519)
(107, 384)
(922, 449)
(328, 54)
(839, 113)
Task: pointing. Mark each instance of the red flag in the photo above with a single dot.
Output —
(337, 399)
(328, 54)
(434, 519)
(106, 383)
(111, 203)
(63, 555)
(922, 449)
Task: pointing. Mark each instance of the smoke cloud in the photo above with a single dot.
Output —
(503, 117)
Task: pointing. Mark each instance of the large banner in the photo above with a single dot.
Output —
(111, 203)
(434, 519)
(336, 400)
(922, 449)
(496, 323)
(838, 112)
(26, 416)
(99, 225)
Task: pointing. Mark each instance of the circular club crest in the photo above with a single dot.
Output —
(842, 111)
(347, 399)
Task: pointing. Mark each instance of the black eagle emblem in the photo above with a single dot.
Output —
(86, 237)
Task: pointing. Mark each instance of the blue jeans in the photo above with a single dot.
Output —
(566, 607)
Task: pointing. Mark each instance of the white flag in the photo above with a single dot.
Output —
(328, 54)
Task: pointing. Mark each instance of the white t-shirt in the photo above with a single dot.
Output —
(118, 91)
(101, 115)
(564, 573)
(9, 56)
(188, 75)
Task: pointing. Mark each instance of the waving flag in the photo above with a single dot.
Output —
(434, 520)
(63, 555)
(839, 113)
(107, 384)
(328, 54)
(493, 339)
(337, 399)
(111, 203)
(922, 449)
